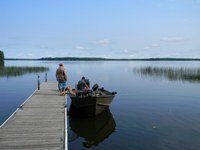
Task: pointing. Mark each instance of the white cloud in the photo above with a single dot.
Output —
(103, 42)
(173, 39)
(80, 47)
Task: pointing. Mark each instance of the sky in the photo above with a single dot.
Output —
(100, 28)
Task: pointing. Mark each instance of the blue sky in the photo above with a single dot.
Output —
(100, 28)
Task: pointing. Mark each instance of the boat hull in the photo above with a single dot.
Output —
(92, 105)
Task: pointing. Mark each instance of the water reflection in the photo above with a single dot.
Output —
(182, 74)
(13, 71)
(94, 130)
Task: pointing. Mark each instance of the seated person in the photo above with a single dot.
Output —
(83, 84)
(75, 92)
(83, 87)
(71, 91)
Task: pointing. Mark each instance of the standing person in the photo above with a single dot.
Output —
(61, 77)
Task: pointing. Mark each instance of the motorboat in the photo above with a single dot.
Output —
(92, 102)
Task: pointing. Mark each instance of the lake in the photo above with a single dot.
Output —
(157, 106)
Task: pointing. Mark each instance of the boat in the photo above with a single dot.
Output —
(92, 102)
(93, 130)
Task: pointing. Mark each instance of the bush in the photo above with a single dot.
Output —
(1, 58)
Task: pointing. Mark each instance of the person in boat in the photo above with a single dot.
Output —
(61, 77)
(83, 84)
(71, 90)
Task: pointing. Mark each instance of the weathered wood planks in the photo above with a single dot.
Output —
(39, 124)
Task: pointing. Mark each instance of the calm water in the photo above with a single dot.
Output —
(157, 106)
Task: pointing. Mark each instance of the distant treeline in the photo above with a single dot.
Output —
(105, 59)
(117, 59)
(20, 59)
(1, 58)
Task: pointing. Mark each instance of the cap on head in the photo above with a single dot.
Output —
(61, 65)
(83, 78)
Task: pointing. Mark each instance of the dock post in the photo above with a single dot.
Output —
(38, 82)
(45, 76)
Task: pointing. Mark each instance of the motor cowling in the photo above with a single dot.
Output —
(95, 87)
(113, 93)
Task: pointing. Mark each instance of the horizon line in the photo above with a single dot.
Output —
(102, 58)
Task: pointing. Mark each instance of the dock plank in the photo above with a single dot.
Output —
(38, 124)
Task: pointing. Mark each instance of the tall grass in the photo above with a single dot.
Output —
(182, 74)
(19, 71)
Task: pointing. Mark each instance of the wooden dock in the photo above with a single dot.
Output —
(40, 122)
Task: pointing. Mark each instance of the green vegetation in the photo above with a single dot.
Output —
(1, 58)
(18, 71)
(182, 74)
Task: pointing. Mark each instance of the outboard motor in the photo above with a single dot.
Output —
(113, 93)
(95, 87)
